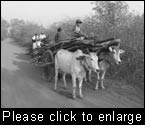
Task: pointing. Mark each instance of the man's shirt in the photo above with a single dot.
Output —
(58, 37)
(35, 38)
(42, 36)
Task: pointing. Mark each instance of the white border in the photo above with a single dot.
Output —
(104, 127)
(147, 62)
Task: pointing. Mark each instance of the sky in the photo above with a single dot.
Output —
(48, 12)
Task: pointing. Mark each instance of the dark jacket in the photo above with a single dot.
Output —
(58, 37)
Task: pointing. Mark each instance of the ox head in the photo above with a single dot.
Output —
(89, 61)
(115, 52)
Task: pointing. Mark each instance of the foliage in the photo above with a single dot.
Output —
(22, 31)
(118, 22)
(4, 29)
(111, 19)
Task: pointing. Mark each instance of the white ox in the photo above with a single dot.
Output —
(75, 63)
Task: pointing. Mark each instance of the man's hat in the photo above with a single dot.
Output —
(78, 21)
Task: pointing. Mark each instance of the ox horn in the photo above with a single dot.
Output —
(110, 49)
(86, 55)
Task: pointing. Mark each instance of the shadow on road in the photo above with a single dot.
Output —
(35, 73)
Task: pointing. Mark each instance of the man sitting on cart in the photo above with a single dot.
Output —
(42, 37)
(35, 38)
(58, 36)
(35, 41)
(77, 31)
(36, 45)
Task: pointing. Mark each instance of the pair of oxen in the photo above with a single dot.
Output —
(78, 64)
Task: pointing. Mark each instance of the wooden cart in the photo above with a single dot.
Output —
(46, 53)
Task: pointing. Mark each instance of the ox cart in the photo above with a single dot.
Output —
(45, 54)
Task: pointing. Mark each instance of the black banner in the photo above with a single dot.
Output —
(72, 116)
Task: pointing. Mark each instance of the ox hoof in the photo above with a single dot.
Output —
(96, 88)
(74, 97)
(65, 88)
(81, 96)
(103, 88)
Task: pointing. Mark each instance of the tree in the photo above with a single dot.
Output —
(17, 22)
(4, 29)
(110, 13)
(22, 31)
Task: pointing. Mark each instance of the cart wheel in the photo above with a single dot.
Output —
(48, 56)
(48, 71)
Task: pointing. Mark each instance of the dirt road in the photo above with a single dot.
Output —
(23, 87)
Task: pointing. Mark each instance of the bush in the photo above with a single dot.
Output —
(106, 23)
(131, 33)
(22, 32)
(4, 29)
(128, 27)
